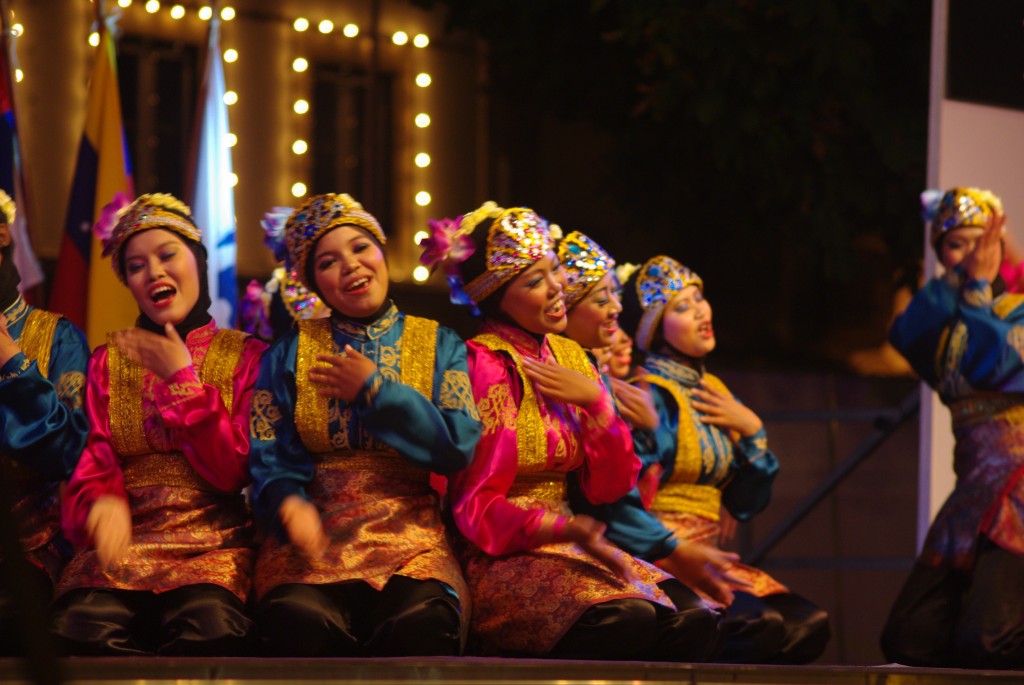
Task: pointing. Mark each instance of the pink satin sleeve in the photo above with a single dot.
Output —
(215, 442)
(478, 493)
(98, 471)
(610, 467)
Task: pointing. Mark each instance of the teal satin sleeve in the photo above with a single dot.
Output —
(753, 471)
(42, 420)
(280, 464)
(438, 434)
(917, 333)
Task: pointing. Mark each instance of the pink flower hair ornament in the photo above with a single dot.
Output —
(103, 229)
(445, 245)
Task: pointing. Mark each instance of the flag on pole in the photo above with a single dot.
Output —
(212, 195)
(12, 180)
(85, 288)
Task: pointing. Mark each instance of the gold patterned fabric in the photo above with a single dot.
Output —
(695, 528)
(383, 519)
(37, 337)
(525, 602)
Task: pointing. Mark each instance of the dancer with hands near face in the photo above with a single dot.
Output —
(352, 414)
(546, 416)
(155, 505)
(962, 606)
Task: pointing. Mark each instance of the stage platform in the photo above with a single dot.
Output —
(479, 671)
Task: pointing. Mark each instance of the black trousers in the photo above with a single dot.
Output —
(947, 618)
(194, 620)
(407, 617)
(783, 628)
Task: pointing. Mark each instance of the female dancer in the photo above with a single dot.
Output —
(350, 416)
(155, 505)
(43, 359)
(962, 605)
(712, 452)
(544, 582)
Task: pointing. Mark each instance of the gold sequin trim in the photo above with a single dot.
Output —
(419, 350)
(71, 389)
(457, 393)
(37, 338)
(311, 408)
(1006, 304)
(548, 486)
(164, 469)
(570, 355)
(381, 463)
(688, 453)
(702, 500)
(127, 432)
(221, 361)
(531, 441)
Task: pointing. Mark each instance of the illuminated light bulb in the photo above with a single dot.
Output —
(300, 64)
(177, 12)
(326, 26)
(230, 97)
(94, 39)
(423, 80)
(298, 189)
(299, 147)
(301, 24)
(232, 180)
(400, 38)
(17, 29)
(423, 198)
(227, 14)
(421, 40)
(422, 120)
(420, 273)
(231, 139)
(230, 55)
(153, 6)
(420, 235)
(422, 160)
(206, 13)
(124, 3)
(301, 106)
(18, 75)
(350, 30)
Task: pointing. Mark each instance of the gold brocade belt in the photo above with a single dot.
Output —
(383, 463)
(162, 468)
(985, 407)
(548, 486)
(702, 500)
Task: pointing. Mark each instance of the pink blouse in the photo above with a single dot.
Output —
(592, 442)
(180, 414)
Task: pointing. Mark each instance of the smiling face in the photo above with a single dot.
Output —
(350, 272)
(535, 299)
(620, 355)
(686, 323)
(957, 244)
(162, 275)
(593, 321)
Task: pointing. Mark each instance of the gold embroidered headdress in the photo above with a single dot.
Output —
(120, 220)
(318, 215)
(962, 208)
(585, 263)
(516, 238)
(649, 291)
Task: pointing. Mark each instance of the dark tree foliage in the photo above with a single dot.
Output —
(777, 146)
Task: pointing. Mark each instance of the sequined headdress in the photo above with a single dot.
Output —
(318, 215)
(120, 220)
(517, 238)
(652, 287)
(585, 263)
(959, 208)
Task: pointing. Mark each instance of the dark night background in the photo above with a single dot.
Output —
(776, 147)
